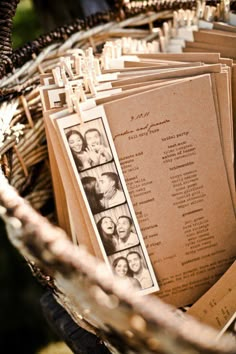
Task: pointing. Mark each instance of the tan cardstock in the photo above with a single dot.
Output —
(169, 147)
(218, 304)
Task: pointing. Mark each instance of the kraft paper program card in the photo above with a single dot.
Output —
(168, 143)
(173, 141)
(217, 306)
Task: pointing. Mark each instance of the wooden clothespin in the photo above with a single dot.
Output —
(181, 18)
(89, 53)
(65, 65)
(64, 77)
(79, 97)
(166, 31)
(153, 47)
(56, 72)
(140, 47)
(78, 64)
(226, 10)
(163, 46)
(97, 67)
(107, 55)
(80, 94)
(91, 86)
(200, 9)
(209, 13)
(217, 12)
(76, 107)
(189, 18)
(118, 49)
(69, 95)
(94, 76)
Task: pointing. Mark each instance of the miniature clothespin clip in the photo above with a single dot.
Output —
(64, 77)
(163, 41)
(200, 9)
(56, 72)
(78, 58)
(89, 85)
(80, 94)
(77, 98)
(166, 30)
(106, 55)
(73, 98)
(69, 95)
(182, 18)
(125, 45)
(118, 49)
(59, 75)
(89, 59)
(65, 64)
(97, 67)
(153, 47)
(226, 10)
(209, 13)
(175, 24)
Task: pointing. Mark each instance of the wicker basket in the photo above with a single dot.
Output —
(124, 321)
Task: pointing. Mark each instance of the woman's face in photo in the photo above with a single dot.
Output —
(121, 268)
(75, 143)
(108, 226)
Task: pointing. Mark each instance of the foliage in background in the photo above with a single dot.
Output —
(26, 25)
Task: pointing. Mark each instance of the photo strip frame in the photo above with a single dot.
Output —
(91, 154)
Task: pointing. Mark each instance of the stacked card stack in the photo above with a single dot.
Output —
(142, 160)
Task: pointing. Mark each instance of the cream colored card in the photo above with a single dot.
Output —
(59, 193)
(169, 146)
(109, 206)
(170, 74)
(209, 58)
(148, 69)
(222, 38)
(140, 87)
(81, 226)
(212, 47)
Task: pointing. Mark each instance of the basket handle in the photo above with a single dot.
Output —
(7, 12)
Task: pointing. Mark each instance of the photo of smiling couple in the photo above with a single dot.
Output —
(88, 145)
(131, 266)
(117, 235)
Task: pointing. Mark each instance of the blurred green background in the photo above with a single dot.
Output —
(26, 24)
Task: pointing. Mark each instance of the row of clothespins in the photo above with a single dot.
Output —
(219, 11)
(79, 74)
(172, 35)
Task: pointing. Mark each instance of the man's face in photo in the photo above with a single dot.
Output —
(123, 227)
(93, 139)
(134, 262)
(105, 184)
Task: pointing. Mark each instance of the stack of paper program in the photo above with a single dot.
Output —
(162, 171)
(217, 306)
(220, 39)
